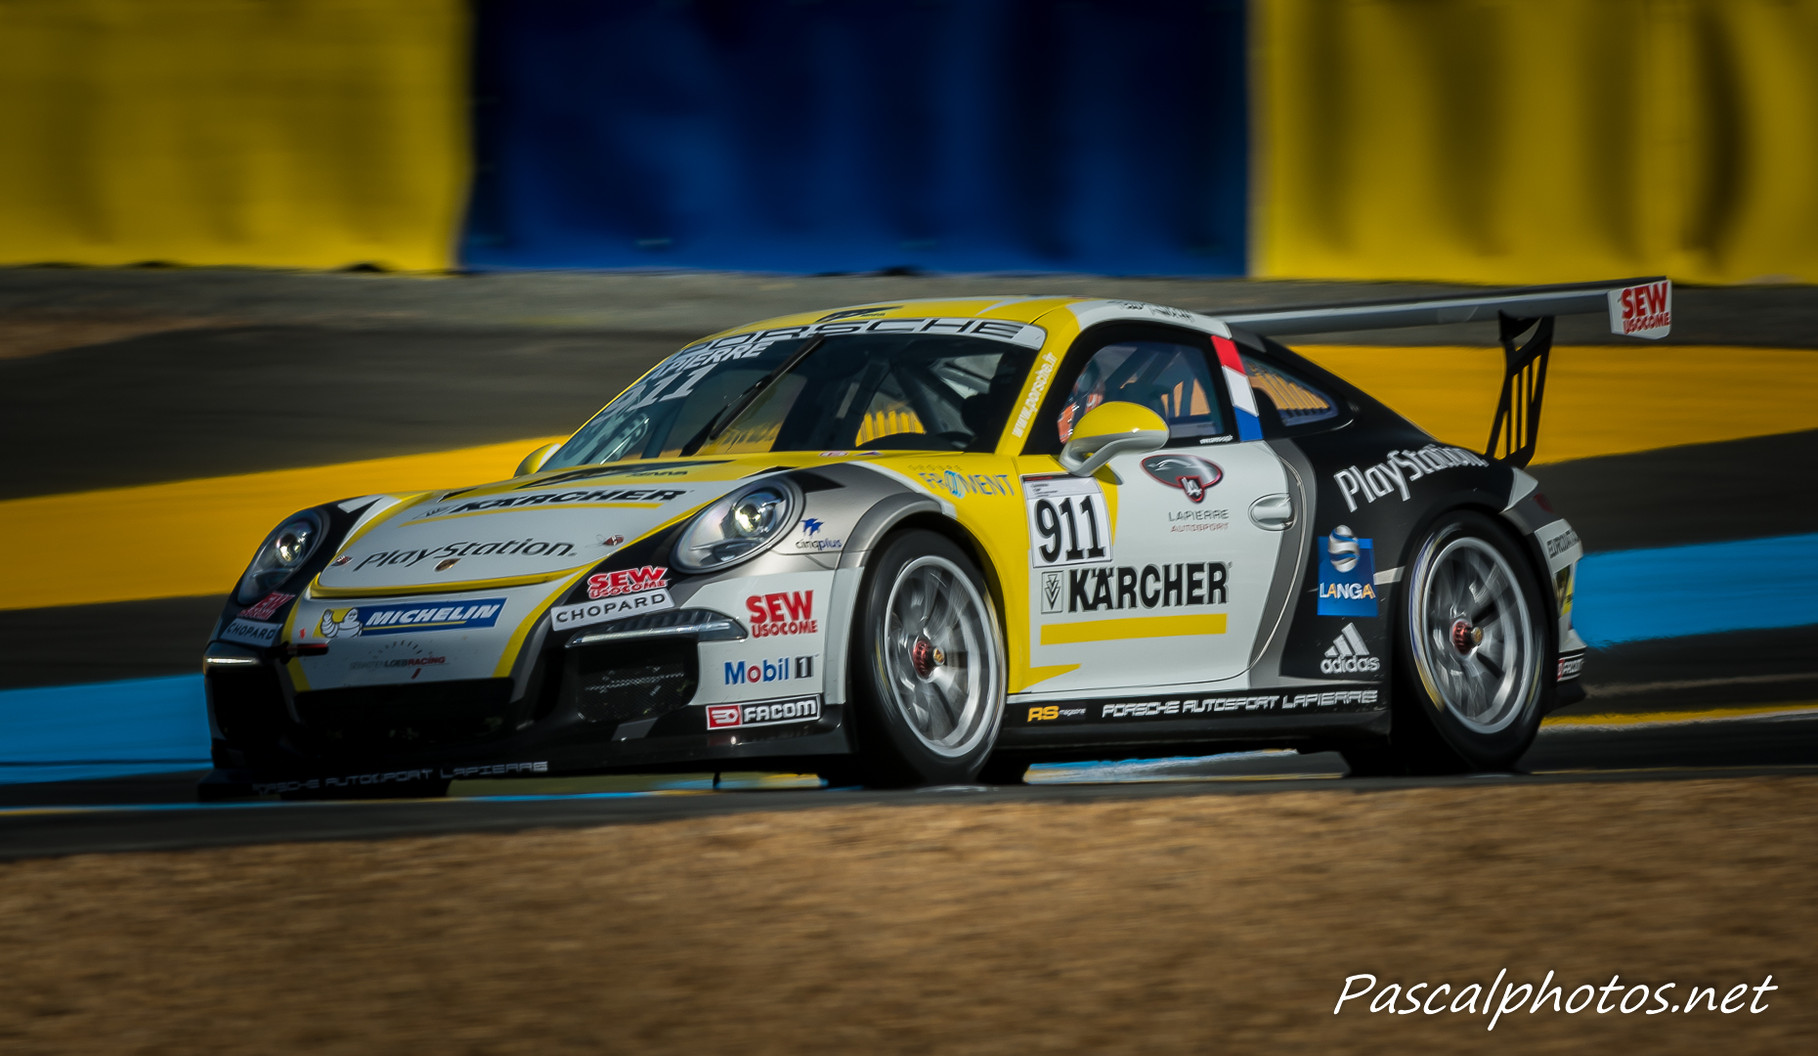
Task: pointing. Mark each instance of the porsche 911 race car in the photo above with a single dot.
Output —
(931, 542)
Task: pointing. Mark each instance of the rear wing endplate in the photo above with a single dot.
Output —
(1636, 308)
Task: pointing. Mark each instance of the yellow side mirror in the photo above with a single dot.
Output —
(1112, 428)
(534, 461)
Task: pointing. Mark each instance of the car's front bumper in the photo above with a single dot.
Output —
(616, 703)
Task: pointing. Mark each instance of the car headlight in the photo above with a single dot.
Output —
(739, 526)
(279, 557)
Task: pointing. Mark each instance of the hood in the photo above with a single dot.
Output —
(522, 530)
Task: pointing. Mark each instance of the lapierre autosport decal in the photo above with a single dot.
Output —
(1397, 470)
(1068, 524)
(1191, 474)
(1201, 707)
(1347, 575)
(364, 621)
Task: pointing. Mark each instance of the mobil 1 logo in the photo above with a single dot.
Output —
(1067, 521)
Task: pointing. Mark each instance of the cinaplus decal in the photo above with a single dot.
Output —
(1347, 575)
(367, 620)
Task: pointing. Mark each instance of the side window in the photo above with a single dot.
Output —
(1172, 379)
(1295, 402)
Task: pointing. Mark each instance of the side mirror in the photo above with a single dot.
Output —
(534, 461)
(1111, 429)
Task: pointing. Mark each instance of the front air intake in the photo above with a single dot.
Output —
(625, 682)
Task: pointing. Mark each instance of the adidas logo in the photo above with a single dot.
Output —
(1349, 655)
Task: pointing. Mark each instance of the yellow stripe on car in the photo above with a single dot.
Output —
(1136, 627)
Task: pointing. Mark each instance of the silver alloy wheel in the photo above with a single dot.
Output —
(1473, 638)
(938, 646)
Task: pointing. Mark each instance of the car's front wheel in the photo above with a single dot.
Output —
(927, 682)
(1474, 646)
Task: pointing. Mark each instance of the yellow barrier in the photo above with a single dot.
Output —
(195, 536)
(312, 134)
(1535, 141)
(1600, 399)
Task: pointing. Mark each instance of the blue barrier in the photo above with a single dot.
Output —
(1703, 588)
(988, 135)
(104, 729)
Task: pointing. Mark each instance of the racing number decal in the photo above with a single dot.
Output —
(1067, 522)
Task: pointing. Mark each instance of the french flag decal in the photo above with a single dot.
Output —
(1243, 401)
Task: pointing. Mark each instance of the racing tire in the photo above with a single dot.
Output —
(927, 666)
(1474, 645)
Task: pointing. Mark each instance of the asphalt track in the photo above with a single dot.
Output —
(184, 375)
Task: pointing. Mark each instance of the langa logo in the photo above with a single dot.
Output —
(1347, 575)
(1190, 473)
(1348, 655)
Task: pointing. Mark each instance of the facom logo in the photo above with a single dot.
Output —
(782, 669)
(723, 716)
(1348, 655)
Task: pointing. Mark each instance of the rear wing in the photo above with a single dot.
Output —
(1636, 308)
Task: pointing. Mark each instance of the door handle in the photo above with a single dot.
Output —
(1272, 513)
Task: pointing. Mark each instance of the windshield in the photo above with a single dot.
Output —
(875, 390)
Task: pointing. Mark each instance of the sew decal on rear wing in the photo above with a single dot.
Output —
(1635, 307)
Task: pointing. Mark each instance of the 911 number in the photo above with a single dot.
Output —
(1067, 522)
(1069, 532)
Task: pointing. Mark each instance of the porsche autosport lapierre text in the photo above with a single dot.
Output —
(932, 542)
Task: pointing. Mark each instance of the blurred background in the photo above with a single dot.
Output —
(1454, 140)
(260, 254)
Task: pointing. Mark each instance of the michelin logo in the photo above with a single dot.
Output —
(1347, 575)
(1348, 655)
(368, 620)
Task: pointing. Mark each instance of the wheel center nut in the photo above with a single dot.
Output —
(925, 657)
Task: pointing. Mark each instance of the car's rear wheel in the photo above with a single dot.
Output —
(1474, 643)
(927, 682)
